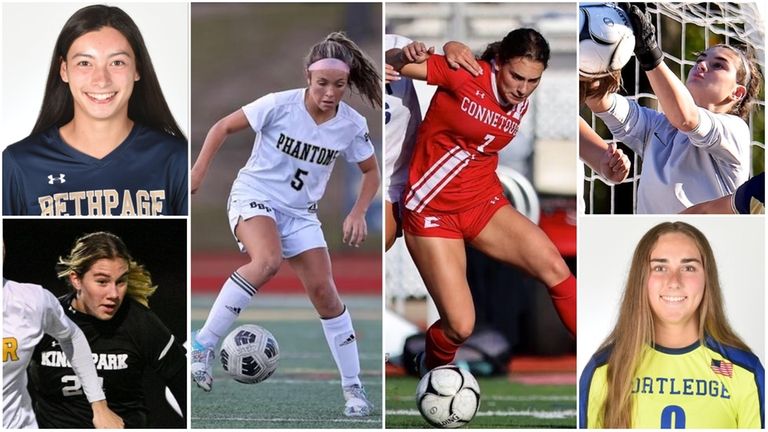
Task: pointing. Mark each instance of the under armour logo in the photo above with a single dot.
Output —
(348, 341)
(234, 310)
(59, 179)
(53, 344)
(479, 93)
(494, 200)
(431, 221)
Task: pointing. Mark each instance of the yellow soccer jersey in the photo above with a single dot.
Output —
(700, 386)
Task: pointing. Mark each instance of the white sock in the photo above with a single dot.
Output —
(343, 343)
(234, 297)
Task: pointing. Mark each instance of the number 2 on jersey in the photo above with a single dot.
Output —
(297, 182)
(74, 388)
(666, 417)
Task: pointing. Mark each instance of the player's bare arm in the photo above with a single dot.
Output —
(354, 228)
(411, 60)
(459, 55)
(105, 418)
(606, 159)
(230, 124)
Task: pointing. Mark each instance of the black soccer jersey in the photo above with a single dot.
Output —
(123, 348)
(146, 175)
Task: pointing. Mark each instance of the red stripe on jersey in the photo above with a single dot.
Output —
(436, 178)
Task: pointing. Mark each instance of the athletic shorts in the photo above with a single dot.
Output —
(296, 234)
(465, 225)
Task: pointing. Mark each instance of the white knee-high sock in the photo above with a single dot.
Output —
(234, 297)
(343, 343)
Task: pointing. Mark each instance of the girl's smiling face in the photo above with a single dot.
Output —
(101, 70)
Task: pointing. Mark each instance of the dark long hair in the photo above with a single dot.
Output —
(146, 105)
(522, 42)
(363, 74)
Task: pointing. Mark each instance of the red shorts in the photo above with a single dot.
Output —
(465, 225)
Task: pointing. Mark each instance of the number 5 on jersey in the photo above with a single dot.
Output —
(297, 182)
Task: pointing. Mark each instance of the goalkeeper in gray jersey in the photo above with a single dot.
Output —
(698, 149)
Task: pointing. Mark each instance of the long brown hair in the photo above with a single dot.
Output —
(634, 328)
(146, 104)
(363, 74)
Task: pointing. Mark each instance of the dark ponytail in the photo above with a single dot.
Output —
(522, 42)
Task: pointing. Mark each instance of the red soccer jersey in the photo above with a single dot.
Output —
(453, 166)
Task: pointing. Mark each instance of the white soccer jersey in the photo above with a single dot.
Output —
(681, 168)
(29, 311)
(401, 122)
(292, 156)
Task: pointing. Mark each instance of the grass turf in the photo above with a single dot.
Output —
(305, 391)
(502, 405)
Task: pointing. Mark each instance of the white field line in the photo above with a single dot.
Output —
(535, 398)
(555, 414)
(368, 383)
(286, 420)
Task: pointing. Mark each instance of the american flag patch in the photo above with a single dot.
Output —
(722, 367)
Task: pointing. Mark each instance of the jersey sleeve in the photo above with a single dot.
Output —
(74, 345)
(750, 387)
(630, 123)
(724, 136)
(440, 74)
(13, 191)
(361, 147)
(179, 181)
(593, 390)
(162, 352)
(259, 111)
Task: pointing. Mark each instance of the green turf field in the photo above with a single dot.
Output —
(305, 392)
(502, 405)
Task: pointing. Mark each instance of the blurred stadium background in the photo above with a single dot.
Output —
(241, 52)
(539, 171)
(682, 29)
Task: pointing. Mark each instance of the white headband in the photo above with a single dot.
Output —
(329, 63)
(744, 62)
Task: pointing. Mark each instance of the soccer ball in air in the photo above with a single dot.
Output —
(448, 397)
(606, 40)
(249, 354)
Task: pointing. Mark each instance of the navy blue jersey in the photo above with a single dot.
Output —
(146, 175)
(124, 347)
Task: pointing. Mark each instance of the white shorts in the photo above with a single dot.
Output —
(296, 234)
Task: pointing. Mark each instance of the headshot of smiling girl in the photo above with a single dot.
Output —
(683, 302)
(105, 141)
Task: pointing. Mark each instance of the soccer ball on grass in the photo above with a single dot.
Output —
(448, 397)
(249, 354)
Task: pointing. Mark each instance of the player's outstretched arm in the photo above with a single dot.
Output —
(606, 159)
(677, 102)
(213, 141)
(354, 228)
(76, 348)
(411, 60)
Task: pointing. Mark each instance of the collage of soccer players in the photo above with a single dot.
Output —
(383, 215)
